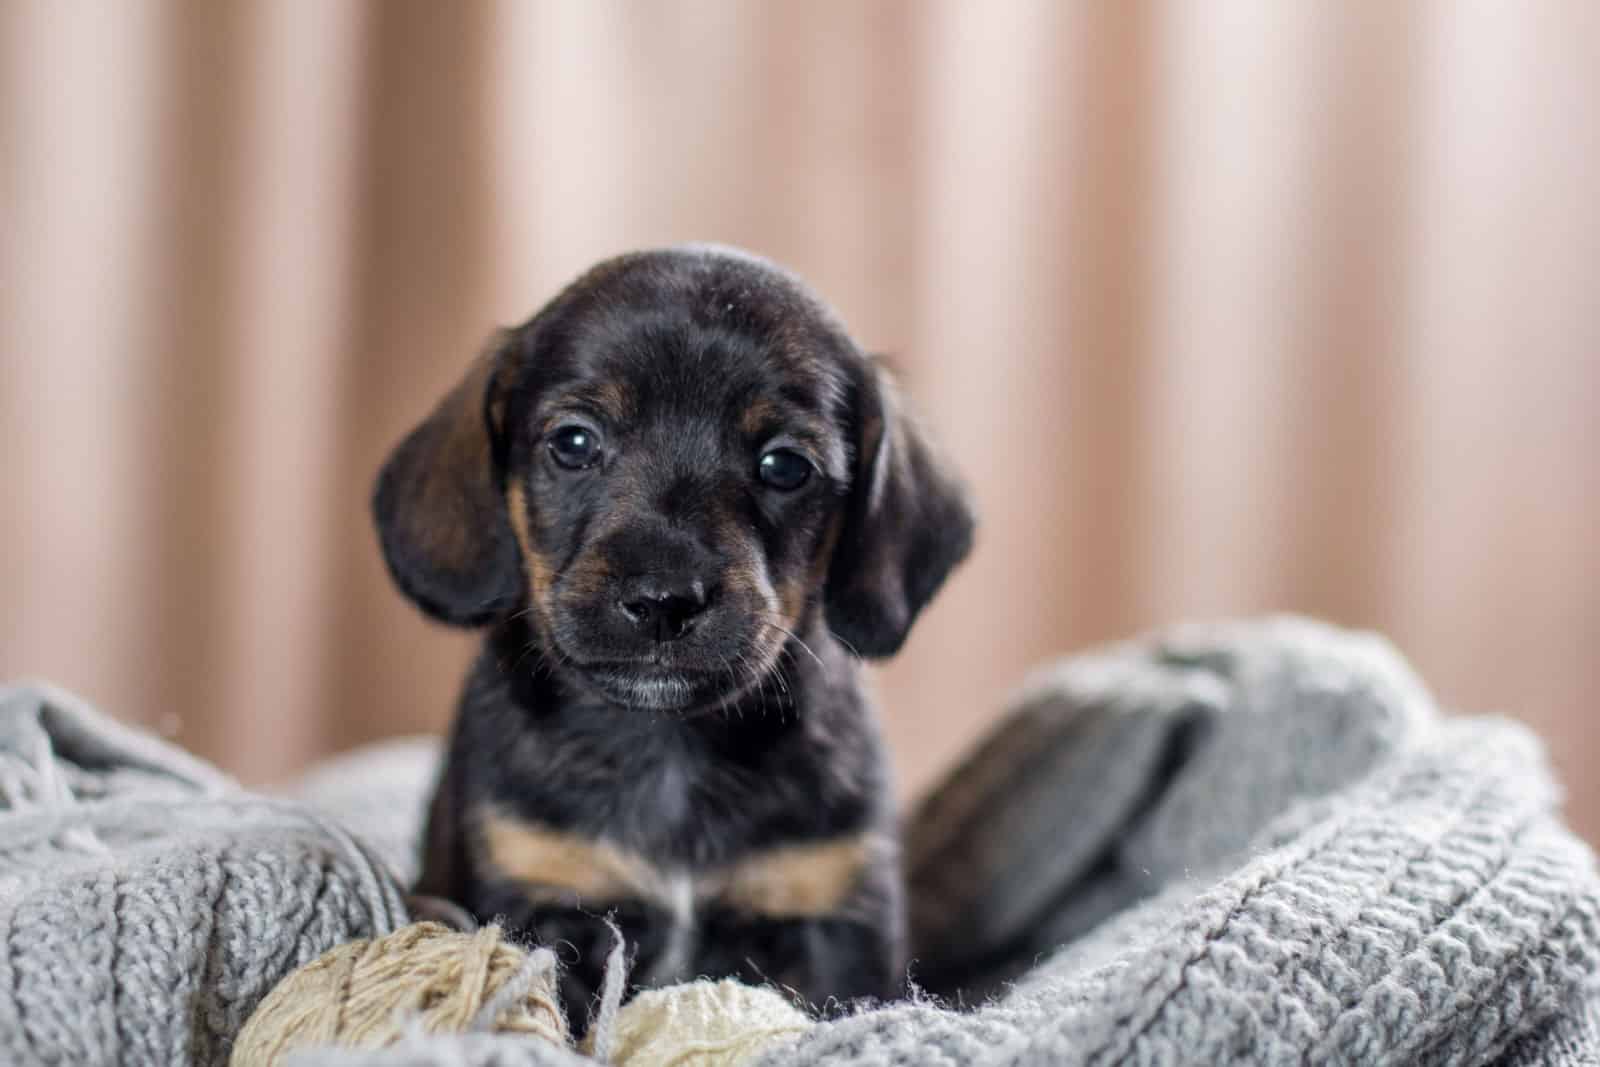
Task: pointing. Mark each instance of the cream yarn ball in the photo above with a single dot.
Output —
(371, 993)
(703, 1024)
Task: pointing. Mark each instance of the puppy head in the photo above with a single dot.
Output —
(672, 468)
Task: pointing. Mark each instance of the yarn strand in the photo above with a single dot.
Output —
(540, 966)
(603, 1024)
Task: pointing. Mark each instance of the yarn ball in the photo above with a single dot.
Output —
(422, 978)
(703, 1024)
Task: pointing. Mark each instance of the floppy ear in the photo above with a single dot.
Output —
(907, 525)
(439, 509)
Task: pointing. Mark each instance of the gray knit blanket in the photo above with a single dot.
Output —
(1248, 843)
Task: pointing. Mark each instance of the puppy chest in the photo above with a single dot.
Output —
(672, 907)
(663, 797)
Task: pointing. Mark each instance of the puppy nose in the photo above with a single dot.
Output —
(664, 606)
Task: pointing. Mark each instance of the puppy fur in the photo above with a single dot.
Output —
(666, 723)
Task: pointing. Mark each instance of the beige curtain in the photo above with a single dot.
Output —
(1224, 308)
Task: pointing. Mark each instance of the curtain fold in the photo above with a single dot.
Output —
(1222, 309)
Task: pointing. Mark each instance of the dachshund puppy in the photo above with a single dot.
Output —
(682, 504)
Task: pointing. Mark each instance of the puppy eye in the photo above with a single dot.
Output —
(784, 469)
(575, 447)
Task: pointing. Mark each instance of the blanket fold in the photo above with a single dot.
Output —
(1120, 770)
(1309, 866)
(1245, 843)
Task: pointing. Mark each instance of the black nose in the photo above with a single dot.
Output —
(663, 605)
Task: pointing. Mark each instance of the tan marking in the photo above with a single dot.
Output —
(757, 416)
(535, 565)
(517, 508)
(613, 398)
(554, 865)
(741, 579)
(796, 881)
(793, 593)
(792, 598)
(587, 578)
(789, 882)
(727, 528)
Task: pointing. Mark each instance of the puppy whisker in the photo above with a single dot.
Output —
(734, 688)
(530, 648)
(791, 635)
(759, 678)
(852, 649)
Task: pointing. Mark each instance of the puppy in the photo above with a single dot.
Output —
(682, 504)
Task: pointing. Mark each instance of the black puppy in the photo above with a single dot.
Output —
(683, 503)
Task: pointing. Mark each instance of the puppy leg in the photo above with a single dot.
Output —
(825, 919)
(581, 938)
(828, 962)
(444, 857)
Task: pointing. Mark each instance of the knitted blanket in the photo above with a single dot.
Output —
(147, 903)
(1251, 843)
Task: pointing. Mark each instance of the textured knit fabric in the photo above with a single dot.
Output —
(380, 794)
(1311, 867)
(1150, 762)
(146, 903)
(1254, 843)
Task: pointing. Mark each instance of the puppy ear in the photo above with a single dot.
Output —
(439, 509)
(907, 525)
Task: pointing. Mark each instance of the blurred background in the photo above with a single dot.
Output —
(1223, 309)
